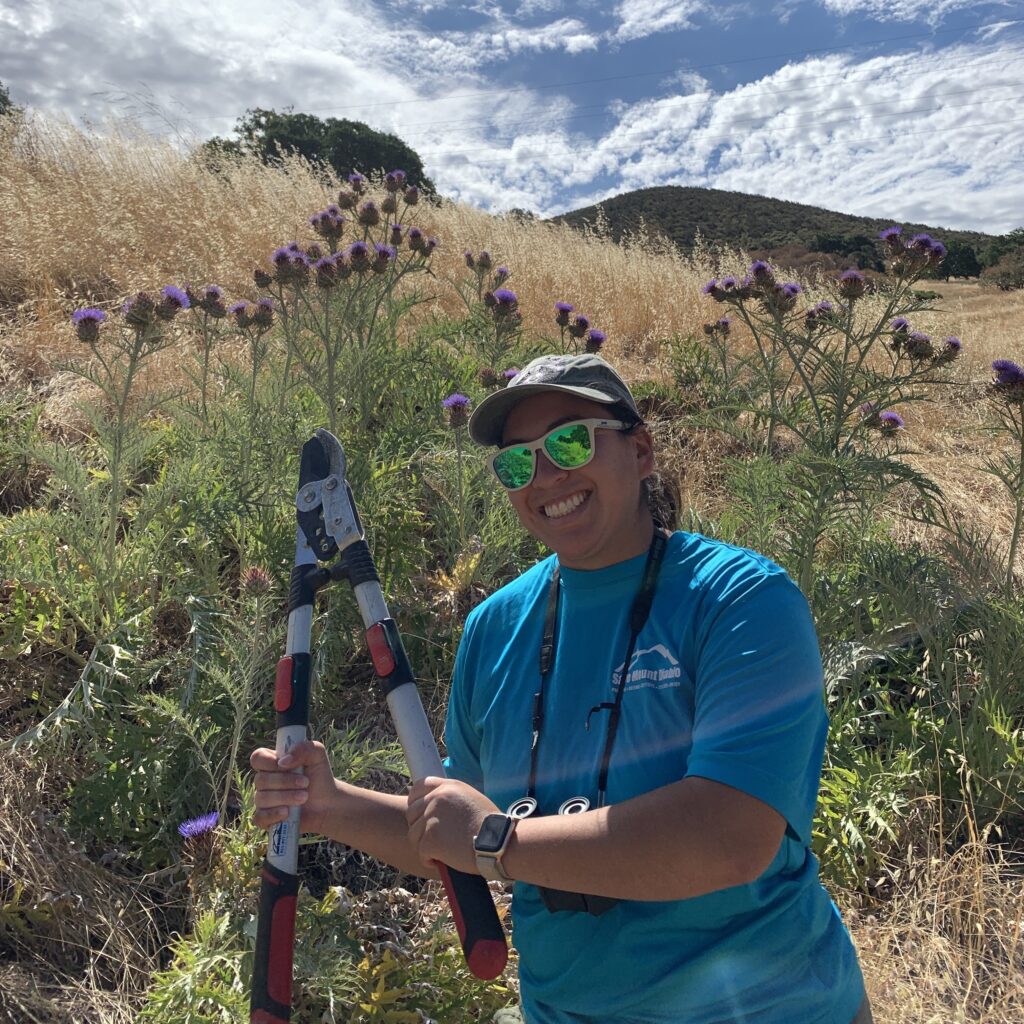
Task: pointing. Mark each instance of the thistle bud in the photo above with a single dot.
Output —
(255, 582)
(394, 181)
(369, 215)
(139, 311)
(470, 261)
(483, 261)
(852, 284)
(347, 200)
(918, 345)
(416, 239)
(263, 313)
(951, 349)
(595, 339)
(262, 278)
(488, 377)
(412, 195)
(383, 257)
(358, 184)
(396, 234)
(326, 271)
(389, 204)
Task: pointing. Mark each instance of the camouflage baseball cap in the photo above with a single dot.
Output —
(588, 376)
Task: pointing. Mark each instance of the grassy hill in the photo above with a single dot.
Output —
(739, 220)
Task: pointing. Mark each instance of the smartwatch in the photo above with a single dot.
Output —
(490, 846)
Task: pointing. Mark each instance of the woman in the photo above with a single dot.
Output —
(634, 736)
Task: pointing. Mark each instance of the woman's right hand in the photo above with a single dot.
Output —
(279, 787)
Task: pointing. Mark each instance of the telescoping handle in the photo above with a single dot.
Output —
(271, 994)
(476, 919)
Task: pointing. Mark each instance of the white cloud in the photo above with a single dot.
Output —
(932, 11)
(639, 18)
(934, 137)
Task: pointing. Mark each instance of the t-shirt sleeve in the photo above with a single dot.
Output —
(759, 717)
(461, 737)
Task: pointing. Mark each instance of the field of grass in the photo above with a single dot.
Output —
(146, 532)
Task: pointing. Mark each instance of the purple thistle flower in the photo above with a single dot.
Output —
(889, 422)
(196, 828)
(580, 325)
(953, 344)
(711, 287)
(358, 254)
(457, 407)
(512, 371)
(416, 239)
(562, 311)
(595, 339)
(564, 307)
(263, 313)
(87, 323)
(358, 183)
(281, 256)
(791, 290)
(383, 256)
(867, 409)
(922, 242)
(900, 325)
(505, 297)
(394, 180)
(175, 296)
(761, 273)
(501, 274)
(937, 253)
(729, 283)
(891, 233)
(88, 314)
(1008, 372)
(429, 246)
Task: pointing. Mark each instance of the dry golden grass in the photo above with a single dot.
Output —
(86, 219)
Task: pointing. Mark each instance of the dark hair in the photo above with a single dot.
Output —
(659, 492)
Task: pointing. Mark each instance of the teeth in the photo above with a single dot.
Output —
(563, 508)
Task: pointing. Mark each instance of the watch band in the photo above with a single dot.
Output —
(488, 862)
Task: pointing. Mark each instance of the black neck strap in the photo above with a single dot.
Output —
(638, 614)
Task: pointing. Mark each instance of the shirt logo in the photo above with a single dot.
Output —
(653, 668)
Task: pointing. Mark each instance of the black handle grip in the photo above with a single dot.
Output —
(271, 999)
(476, 921)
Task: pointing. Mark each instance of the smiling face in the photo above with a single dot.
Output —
(593, 516)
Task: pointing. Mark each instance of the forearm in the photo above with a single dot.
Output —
(683, 840)
(374, 823)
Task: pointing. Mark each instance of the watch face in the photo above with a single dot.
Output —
(492, 833)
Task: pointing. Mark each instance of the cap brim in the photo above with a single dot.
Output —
(488, 418)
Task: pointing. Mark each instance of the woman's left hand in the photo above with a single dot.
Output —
(444, 815)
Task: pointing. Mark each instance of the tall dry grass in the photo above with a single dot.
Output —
(88, 219)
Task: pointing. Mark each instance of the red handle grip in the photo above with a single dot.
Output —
(271, 998)
(476, 921)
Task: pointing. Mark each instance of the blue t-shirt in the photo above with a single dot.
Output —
(725, 683)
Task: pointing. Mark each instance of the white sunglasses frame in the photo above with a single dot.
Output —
(592, 424)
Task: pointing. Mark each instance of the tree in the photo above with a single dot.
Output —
(1002, 245)
(6, 103)
(345, 146)
(961, 261)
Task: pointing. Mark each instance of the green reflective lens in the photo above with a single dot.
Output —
(514, 467)
(569, 446)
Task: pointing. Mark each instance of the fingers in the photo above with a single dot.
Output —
(306, 754)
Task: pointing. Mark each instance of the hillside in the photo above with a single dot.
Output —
(739, 220)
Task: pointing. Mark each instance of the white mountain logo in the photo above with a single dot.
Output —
(660, 669)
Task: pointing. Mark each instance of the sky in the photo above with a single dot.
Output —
(899, 109)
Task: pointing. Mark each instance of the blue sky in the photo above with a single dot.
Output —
(902, 109)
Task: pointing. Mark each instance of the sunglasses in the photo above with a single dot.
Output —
(568, 447)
